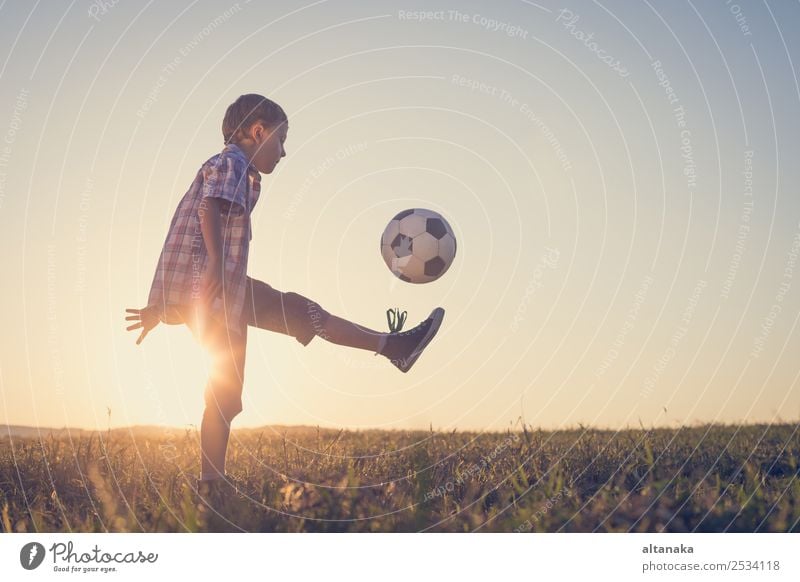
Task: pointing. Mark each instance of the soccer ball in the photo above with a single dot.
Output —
(418, 245)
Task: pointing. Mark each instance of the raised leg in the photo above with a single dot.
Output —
(346, 333)
(295, 315)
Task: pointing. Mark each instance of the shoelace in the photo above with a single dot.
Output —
(396, 319)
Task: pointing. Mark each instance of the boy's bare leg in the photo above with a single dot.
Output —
(214, 434)
(293, 314)
(222, 398)
(346, 333)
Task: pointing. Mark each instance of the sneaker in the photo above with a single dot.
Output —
(403, 348)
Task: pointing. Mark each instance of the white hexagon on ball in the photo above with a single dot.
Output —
(413, 225)
(425, 246)
(447, 248)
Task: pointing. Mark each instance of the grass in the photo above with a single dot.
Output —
(704, 478)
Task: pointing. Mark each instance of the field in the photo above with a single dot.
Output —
(702, 478)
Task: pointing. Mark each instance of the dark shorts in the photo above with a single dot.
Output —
(287, 313)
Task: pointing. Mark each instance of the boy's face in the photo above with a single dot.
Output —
(267, 146)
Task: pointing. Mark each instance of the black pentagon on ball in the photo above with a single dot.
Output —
(434, 266)
(403, 214)
(403, 278)
(402, 245)
(436, 227)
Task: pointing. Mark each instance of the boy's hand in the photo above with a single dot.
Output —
(146, 318)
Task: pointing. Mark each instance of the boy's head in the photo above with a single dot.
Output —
(258, 126)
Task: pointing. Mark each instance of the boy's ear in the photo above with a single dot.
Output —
(254, 132)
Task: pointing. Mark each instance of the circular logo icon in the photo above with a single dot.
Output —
(31, 555)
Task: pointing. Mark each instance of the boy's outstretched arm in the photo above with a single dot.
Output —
(211, 227)
(148, 317)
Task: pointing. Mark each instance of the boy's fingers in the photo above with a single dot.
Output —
(133, 318)
(134, 326)
(141, 337)
(129, 310)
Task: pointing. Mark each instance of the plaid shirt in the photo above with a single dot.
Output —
(230, 177)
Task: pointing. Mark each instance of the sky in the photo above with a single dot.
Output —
(620, 177)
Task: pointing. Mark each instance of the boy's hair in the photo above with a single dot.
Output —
(247, 110)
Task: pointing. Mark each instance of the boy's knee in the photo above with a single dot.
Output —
(308, 318)
(227, 411)
(227, 403)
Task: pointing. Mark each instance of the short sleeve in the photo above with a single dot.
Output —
(226, 178)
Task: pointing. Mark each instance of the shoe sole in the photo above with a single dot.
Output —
(437, 315)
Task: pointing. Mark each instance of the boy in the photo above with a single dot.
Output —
(201, 278)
